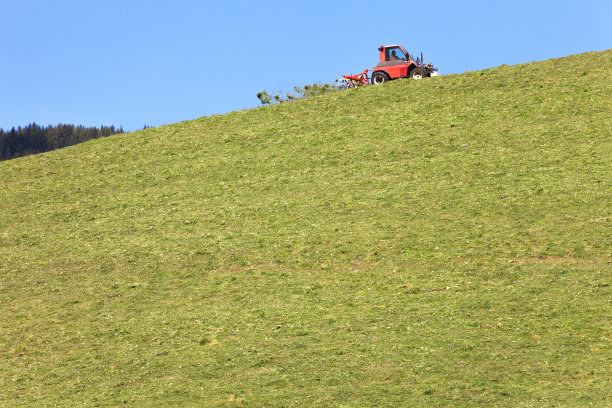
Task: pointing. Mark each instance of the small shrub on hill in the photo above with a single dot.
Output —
(301, 92)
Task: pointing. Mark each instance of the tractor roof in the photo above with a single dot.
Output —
(382, 47)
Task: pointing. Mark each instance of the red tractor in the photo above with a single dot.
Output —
(396, 62)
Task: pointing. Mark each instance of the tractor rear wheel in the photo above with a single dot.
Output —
(418, 73)
(379, 78)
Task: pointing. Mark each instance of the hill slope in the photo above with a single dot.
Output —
(443, 242)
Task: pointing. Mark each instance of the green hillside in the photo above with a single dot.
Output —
(436, 243)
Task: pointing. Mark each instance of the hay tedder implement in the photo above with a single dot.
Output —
(352, 81)
(395, 62)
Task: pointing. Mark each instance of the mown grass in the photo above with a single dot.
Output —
(444, 242)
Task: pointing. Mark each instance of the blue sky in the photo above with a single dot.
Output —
(131, 62)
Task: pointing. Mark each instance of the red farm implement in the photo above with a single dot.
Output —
(352, 81)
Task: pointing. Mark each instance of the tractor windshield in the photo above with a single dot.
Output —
(395, 53)
(408, 56)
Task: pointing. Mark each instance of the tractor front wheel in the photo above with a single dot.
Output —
(379, 78)
(418, 73)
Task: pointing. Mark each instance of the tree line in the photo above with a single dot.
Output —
(34, 138)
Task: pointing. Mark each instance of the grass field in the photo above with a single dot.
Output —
(436, 243)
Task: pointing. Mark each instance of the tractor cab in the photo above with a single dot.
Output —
(396, 62)
(393, 53)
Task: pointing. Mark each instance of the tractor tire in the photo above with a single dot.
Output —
(379, 78)
(418, 73)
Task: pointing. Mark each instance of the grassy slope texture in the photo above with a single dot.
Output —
(444, 242)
